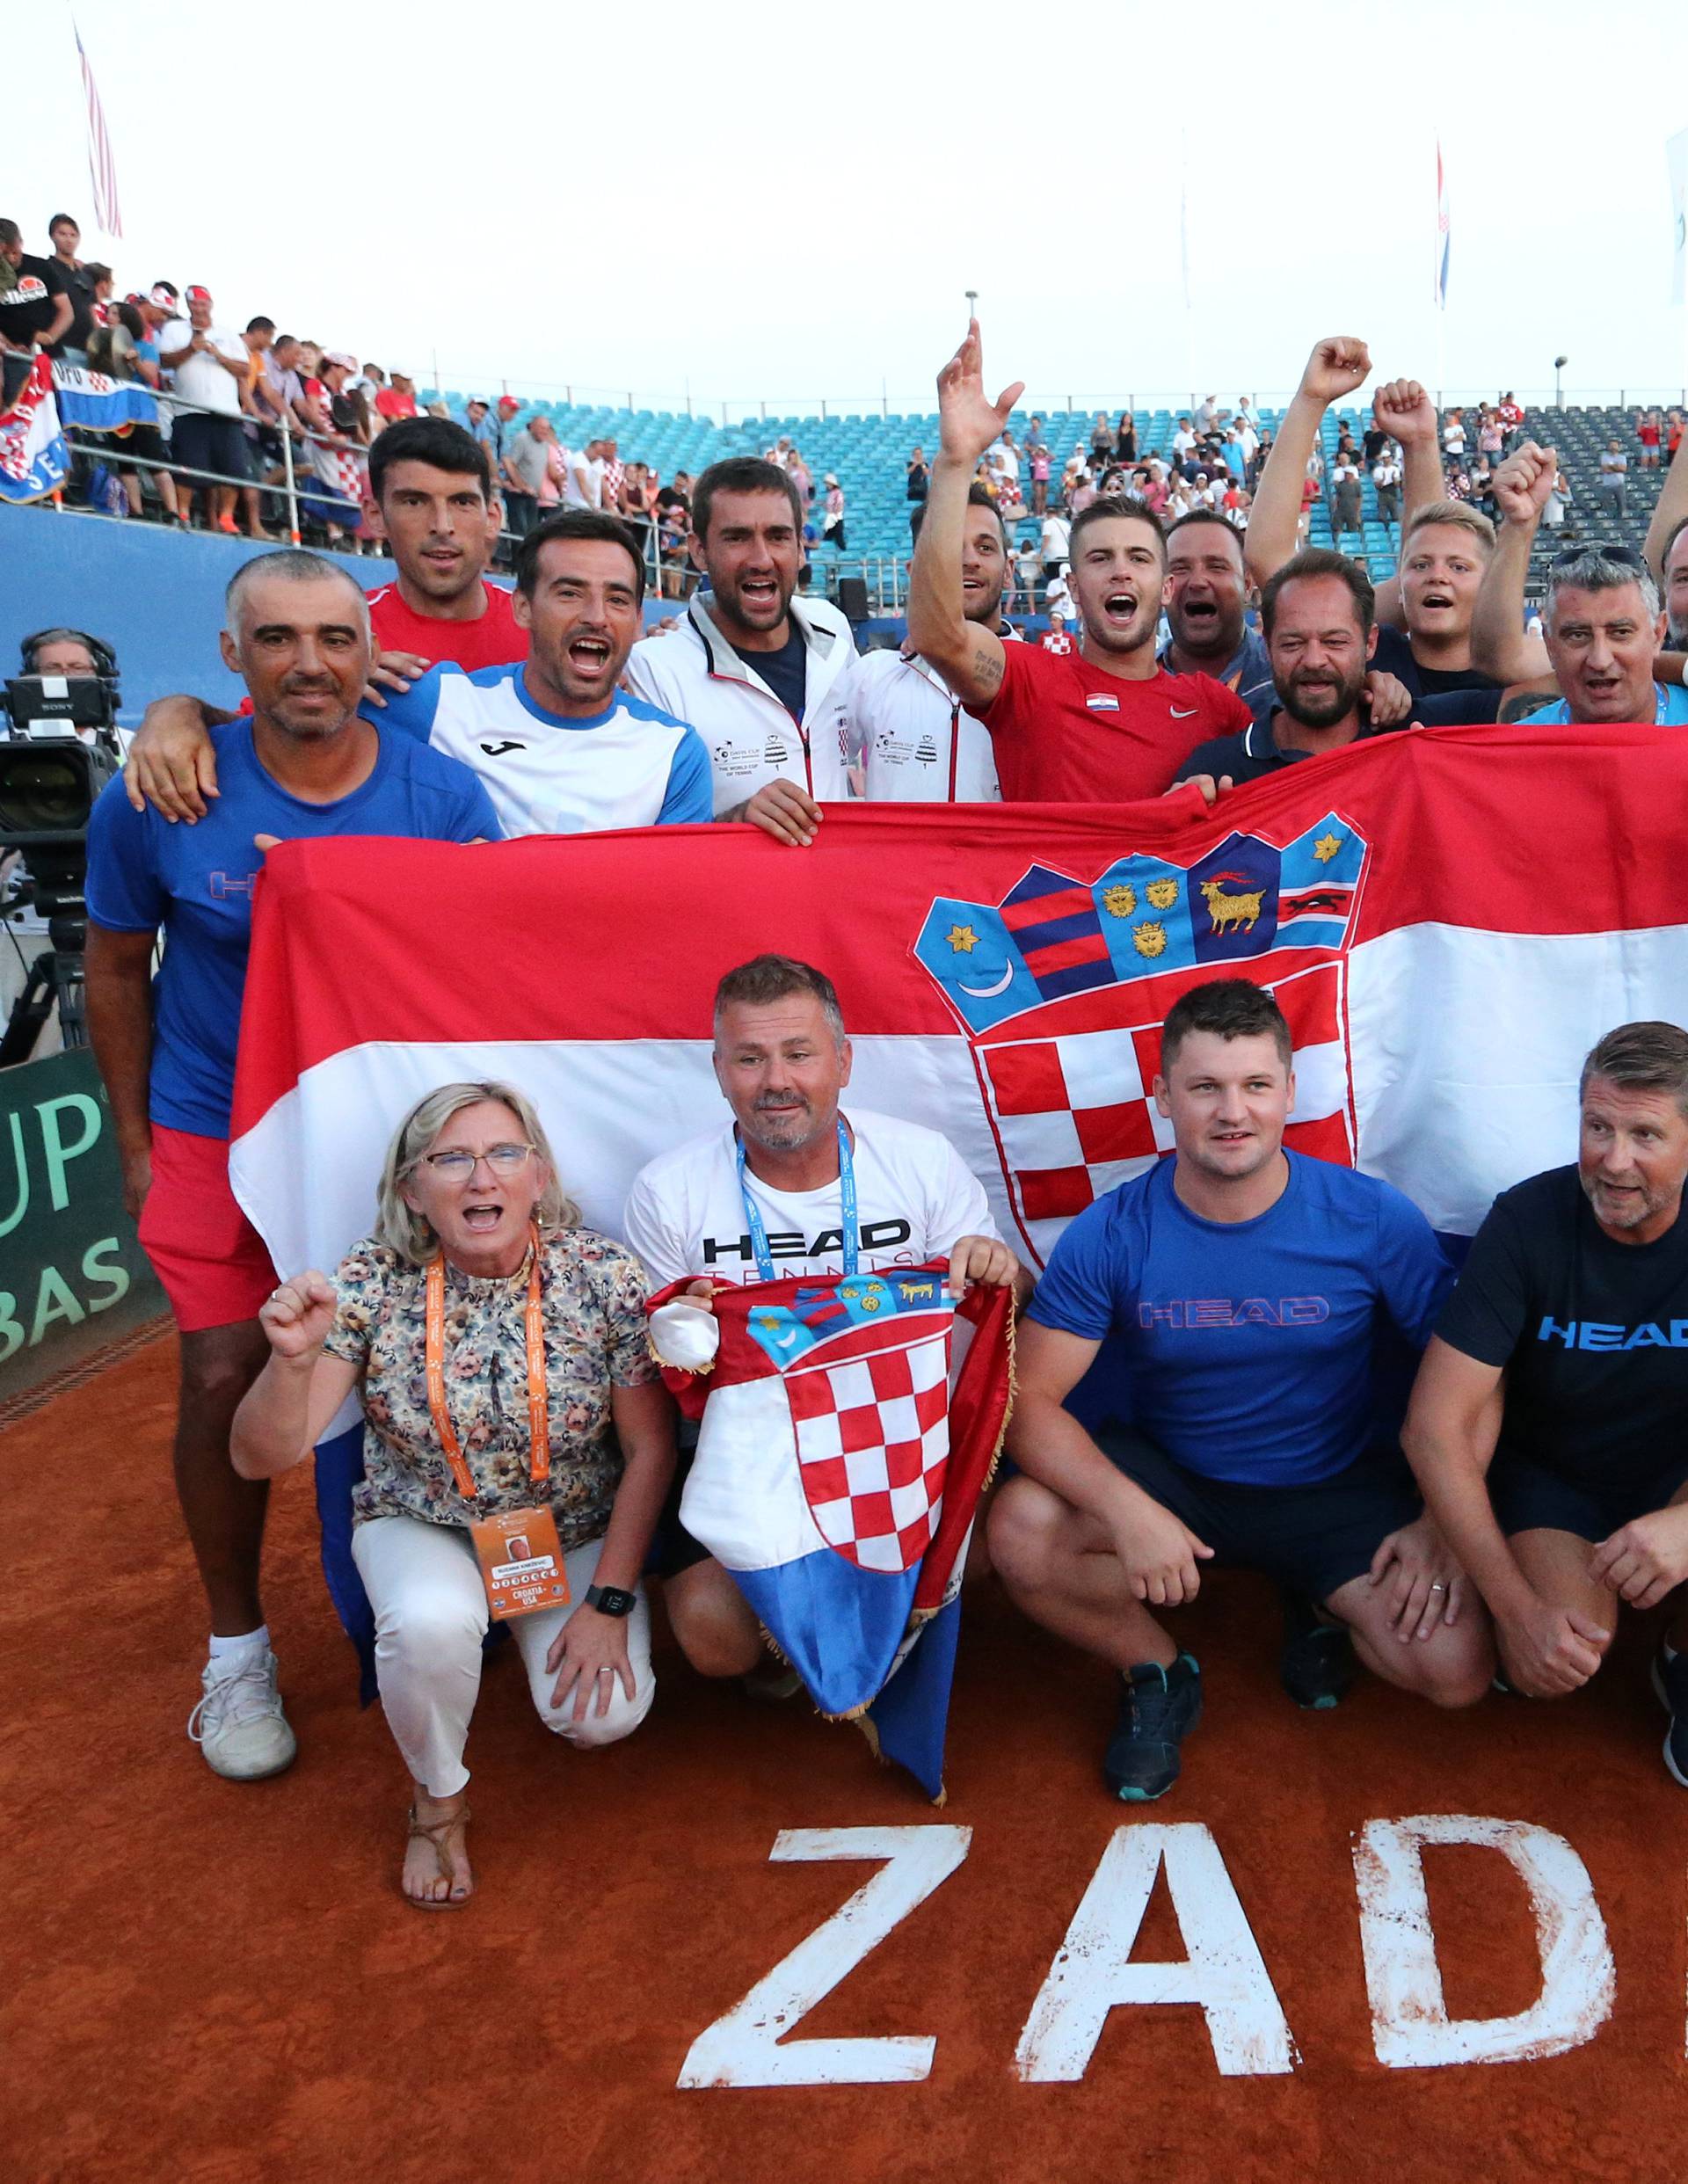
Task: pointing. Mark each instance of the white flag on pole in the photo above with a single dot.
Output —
(1676, 151)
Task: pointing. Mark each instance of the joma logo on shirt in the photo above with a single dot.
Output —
(1607, 1334)
(1222, 1311)
(790, 1243)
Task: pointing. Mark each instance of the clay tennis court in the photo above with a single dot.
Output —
(210, 1983)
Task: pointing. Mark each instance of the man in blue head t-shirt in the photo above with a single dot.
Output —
(1247, 1288)
(304, 764)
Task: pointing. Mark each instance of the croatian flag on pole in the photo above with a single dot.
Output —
(1450, 917)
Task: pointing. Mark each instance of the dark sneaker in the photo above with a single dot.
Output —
(1671, 1681)
(1316, 1665)
(1161, 1707)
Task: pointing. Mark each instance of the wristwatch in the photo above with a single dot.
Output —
(611, 1599)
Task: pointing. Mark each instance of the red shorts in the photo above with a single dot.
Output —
(212, 1261)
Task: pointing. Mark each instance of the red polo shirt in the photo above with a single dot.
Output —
(1065, 733)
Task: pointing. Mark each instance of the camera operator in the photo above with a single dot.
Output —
(58, 747)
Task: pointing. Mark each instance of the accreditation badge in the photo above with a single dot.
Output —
(521, 1563)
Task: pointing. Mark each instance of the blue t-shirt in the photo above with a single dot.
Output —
(632, 765)
(1249, 1346)
(197, 882)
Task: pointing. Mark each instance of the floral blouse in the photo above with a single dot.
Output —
(593, 1294)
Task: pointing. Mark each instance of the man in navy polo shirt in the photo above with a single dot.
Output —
(1568, 1331)
(303, 764)
(1247, 1289)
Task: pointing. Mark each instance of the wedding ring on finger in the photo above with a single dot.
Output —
(1438, 1588)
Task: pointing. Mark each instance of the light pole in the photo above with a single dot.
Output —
(1560, 362)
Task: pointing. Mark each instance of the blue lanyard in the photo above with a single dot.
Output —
(847, 1209)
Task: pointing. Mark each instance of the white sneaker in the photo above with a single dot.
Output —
(238, 1724)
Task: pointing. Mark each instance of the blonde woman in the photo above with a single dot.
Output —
(500, 1351)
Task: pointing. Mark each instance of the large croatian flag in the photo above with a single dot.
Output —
(1450, 918)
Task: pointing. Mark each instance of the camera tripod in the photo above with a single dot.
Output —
(55, 980)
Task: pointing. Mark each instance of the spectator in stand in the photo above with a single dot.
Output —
(1125, 438)
(903, 730)
(1453, 440)
(1056, 640)
(638, 496)
(1157, 490)
(35, 310)
(1614, 464)
(1386, 478)
(1027, 567)
(764, 677)
(1101, 441)
(211, 368)
(1649, 433)
(1553, 514)
(1424, 617)
(1038, 454)
(1601, 621)
(480, 424)
(800, 475)
(116, 349)
(1183, 443)
(337, 454)
(1511, 417)
(1345, 496)
(1108, 725)
(614, 471)
(395, 403)
(831, 521)
(526, 472)
(1083, 493)
(1055, 542)
(1207, 592)
(1491, 436)
(583, 484)
(1673, 436)
(71, 347)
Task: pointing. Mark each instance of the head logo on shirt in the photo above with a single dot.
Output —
(1049, 984)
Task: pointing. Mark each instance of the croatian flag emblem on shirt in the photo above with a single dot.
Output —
(840, 1456)
(1064, 985)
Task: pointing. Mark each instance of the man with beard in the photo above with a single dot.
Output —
(764, 677)
(303, 764)
(1568, 1332)
(768, 1193)
(1246, 1290)
(1318, 616)
(910, 737)
(1601, 619)
(1107, 725)
(1424, 613)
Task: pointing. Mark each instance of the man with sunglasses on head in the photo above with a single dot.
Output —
(1601, 619)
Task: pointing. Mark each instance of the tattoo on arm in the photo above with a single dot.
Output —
(987, 670)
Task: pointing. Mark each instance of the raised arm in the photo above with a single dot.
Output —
(1404, 411)
(1671, 508)
(284, 1412)
(1499, 645)
(967, 656)
(1338, 365)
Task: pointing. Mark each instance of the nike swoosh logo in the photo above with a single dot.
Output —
(1179, 712)
(498, 750)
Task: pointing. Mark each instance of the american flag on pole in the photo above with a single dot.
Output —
(102, 168)
(1441, 230)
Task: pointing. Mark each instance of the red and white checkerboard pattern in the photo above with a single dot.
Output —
(873, 1441)
(1074, 1115)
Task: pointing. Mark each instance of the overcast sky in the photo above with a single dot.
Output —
(776, 203)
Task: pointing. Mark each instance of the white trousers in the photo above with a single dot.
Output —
(425, 1585)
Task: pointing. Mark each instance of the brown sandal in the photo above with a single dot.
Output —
(435, 1832)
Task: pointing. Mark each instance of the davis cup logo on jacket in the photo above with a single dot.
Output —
(1065, 983)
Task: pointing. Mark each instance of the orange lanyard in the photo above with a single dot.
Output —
(539, 1422)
